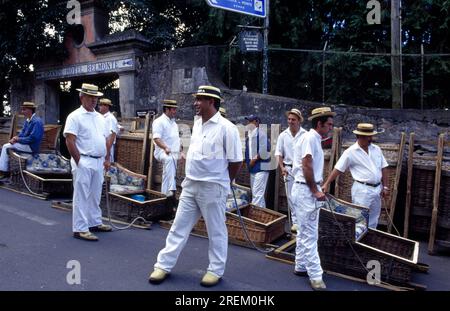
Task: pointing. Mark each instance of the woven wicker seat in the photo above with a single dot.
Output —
(46, 174)
(129, 197)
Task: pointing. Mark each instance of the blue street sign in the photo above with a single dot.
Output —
(250, 7)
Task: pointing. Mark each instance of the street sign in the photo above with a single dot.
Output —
(250, 7)
(250, 41)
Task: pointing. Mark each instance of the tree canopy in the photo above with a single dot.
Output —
(33, 30)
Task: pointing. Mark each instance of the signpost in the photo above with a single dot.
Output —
(250, 7)
(250, 41)
(258, 8)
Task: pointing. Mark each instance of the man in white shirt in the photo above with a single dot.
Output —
(212, 162)
(369, 171)
(104, 106)
(86, 139)
(167, 145)
(284, 153)
(308, 171)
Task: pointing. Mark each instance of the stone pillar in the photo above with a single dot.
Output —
(126, 94)
(46, 96)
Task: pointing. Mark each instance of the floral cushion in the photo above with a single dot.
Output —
(361, 217)
(242, 198)
(122, 182)
(47, 163)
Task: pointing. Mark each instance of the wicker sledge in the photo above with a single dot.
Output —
(347, 246)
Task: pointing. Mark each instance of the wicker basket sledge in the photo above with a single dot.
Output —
(132, 201)
(43, 184)
(346, 245)
(427, 210)
(263, 225)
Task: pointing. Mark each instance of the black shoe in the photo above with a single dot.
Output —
(300, 273)
(101, 228)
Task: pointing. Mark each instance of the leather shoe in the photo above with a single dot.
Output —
(209, 279)
(157, 276)
(300, 273)
(318, 285)
(87, 236)
(101, 228)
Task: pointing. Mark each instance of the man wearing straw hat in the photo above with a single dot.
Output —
(28, 140)
(308, 162)
(104, 107)
(167, 145)
(369, 171)
(284, 153)
(212, 162)
(86, 136)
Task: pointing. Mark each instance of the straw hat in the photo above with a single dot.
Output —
(223, 112)
(208, 90)
(365, 129)
(170, 103)
(105, 101)
(321, 112)
(29, 105)
(90, 89)
(296, 112)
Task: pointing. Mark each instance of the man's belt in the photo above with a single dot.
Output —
(91, 156)
(290, 165)
(304, 183)
(368, 184)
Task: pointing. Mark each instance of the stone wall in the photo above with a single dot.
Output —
(177, 74)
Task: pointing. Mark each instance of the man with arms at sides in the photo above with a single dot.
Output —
(284, 153)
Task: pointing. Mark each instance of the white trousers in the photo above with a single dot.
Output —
(198, 198)
(258, 182)
(289, 182)
(87, 191)
(369, 197)
(111, 153)
(169, 172)
(4, 158)
(306, 253)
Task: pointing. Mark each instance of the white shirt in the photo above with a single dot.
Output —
(214, 144)
(166, 129)
(111, 124)
(90, 130)
(286, 143)
(363, 167)
(309, 143)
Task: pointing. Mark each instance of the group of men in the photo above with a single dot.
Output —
(213, 160)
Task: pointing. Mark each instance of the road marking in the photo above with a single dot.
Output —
(29, 216)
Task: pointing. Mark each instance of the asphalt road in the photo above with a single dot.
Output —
(36, 245)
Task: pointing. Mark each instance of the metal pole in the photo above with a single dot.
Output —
(422, 82)
(323, 72)
(265, 51)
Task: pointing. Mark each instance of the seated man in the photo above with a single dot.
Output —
(28, 140)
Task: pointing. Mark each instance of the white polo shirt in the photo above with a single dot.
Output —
(285, 144)
(111, 123)
(167, 130)
(90, 129)
(364, 167)
(213, 145)
(309, 143)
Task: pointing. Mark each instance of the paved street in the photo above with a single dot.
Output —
(36, 243)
